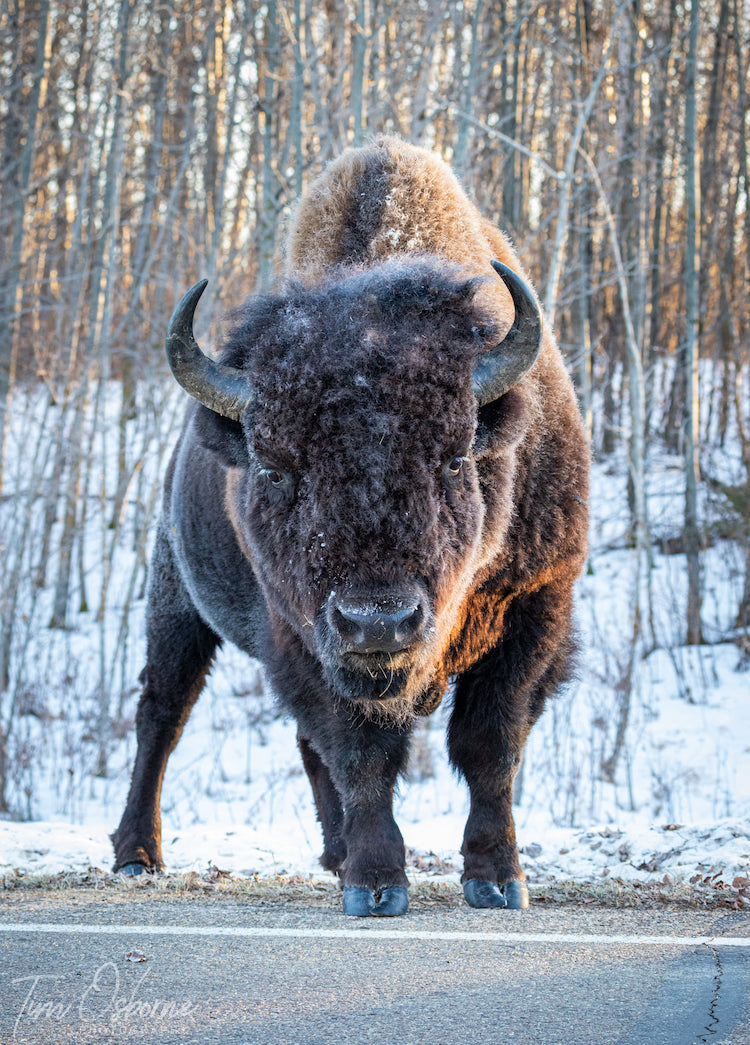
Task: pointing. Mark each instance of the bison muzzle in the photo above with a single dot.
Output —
(380, 493)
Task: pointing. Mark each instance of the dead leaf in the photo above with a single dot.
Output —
(215, 874)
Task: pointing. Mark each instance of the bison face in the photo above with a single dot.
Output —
(363, 544)
(359, 500)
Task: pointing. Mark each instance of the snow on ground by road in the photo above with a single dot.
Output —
(635, 851)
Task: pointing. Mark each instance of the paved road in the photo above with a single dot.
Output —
(274, 973)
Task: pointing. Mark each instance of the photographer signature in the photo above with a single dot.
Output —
(103, 999)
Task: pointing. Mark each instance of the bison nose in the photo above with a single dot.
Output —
(376, 629)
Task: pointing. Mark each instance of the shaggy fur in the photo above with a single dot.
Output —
(363, 475)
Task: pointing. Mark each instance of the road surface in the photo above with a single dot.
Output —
(261, 972)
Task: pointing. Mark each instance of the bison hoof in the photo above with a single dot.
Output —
(131, 870)
(393, 902)
(513, 895)
(479, 893)
(360, 902)
(516, 895)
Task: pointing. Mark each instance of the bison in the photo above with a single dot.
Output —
(379, 492)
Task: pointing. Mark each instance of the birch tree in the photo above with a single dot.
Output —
(689, 360)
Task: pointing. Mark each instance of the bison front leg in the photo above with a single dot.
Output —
(180, 648)
(496, 704)
(353, 772)
(328, 805)
(492, 875)
(373, 873)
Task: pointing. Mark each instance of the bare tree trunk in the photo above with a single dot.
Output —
(359, 30)
(267, 215)
(462, 157)
(742, 619)
(420, 117)
(10, 273)
(70, 529)
(294, 134)
(586, 206)
(658, 133)
(627, 195)
(689, 359)
(584, 354)
(637, 479)
(563, 210)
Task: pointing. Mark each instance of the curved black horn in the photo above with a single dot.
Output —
(503, 366)
(220, 388)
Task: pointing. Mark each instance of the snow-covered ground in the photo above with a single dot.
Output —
(235, 794)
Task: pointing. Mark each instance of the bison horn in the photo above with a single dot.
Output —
(221, 388)
(503, 366)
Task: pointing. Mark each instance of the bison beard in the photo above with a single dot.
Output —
(381, 488)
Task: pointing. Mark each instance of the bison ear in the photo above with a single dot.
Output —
(222, 436)
(502, 423)
(464, 293)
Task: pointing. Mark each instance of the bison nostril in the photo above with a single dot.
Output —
(376, 629)
(348, 625)
(410, 623)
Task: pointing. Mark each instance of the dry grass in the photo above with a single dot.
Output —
(424, 891)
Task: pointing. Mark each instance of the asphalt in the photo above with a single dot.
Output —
(248, 971)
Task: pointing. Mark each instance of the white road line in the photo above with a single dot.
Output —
(366, 933)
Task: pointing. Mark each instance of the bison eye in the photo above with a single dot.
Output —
(453, 478)
(282, 482)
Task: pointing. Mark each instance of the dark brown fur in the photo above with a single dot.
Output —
(361, 365)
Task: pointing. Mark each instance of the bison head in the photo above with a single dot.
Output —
(350, 412)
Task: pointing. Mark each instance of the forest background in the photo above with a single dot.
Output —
(143, 146)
